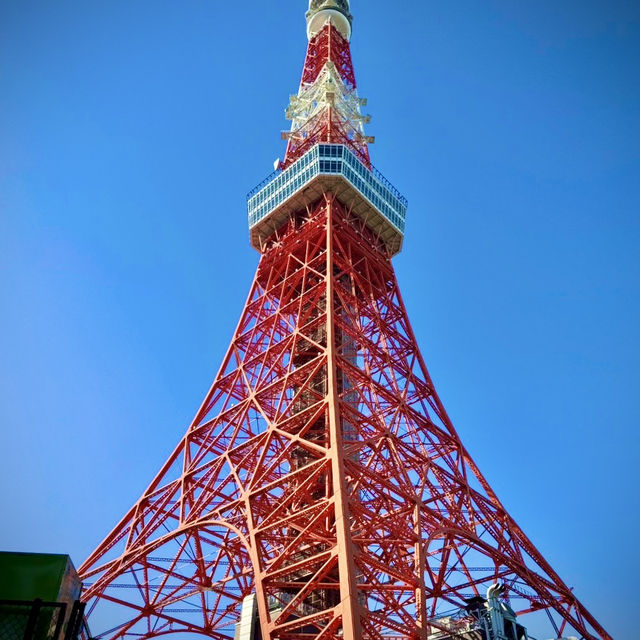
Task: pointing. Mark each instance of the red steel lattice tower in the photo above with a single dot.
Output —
(321, 491)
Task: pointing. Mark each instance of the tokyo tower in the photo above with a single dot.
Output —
(321, 491)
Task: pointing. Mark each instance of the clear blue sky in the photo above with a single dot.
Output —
(129, 135)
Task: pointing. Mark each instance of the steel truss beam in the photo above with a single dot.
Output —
(321, 473)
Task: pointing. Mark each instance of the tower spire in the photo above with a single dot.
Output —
(327, 107)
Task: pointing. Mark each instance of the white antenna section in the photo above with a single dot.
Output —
(335, 10)
(327, 90)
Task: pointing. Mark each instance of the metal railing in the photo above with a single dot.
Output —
(40, 620)
(327, 159)
(389, 186)
(263, 183)
(374, 170)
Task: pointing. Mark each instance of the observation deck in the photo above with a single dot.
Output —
(334, 168)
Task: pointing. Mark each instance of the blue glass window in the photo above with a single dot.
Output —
(328, 159)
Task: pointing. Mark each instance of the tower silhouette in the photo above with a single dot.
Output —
(321, 491)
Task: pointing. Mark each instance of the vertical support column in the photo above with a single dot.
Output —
(349, 604)
(259, 605)
(421, 596)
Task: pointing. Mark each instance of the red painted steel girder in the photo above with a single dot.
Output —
(321, 473)
(328, 44)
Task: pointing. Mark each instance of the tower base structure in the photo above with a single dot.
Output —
(322, 474)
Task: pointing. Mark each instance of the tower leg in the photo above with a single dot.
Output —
(321, 474)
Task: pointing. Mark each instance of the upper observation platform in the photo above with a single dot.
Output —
(328, 168)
